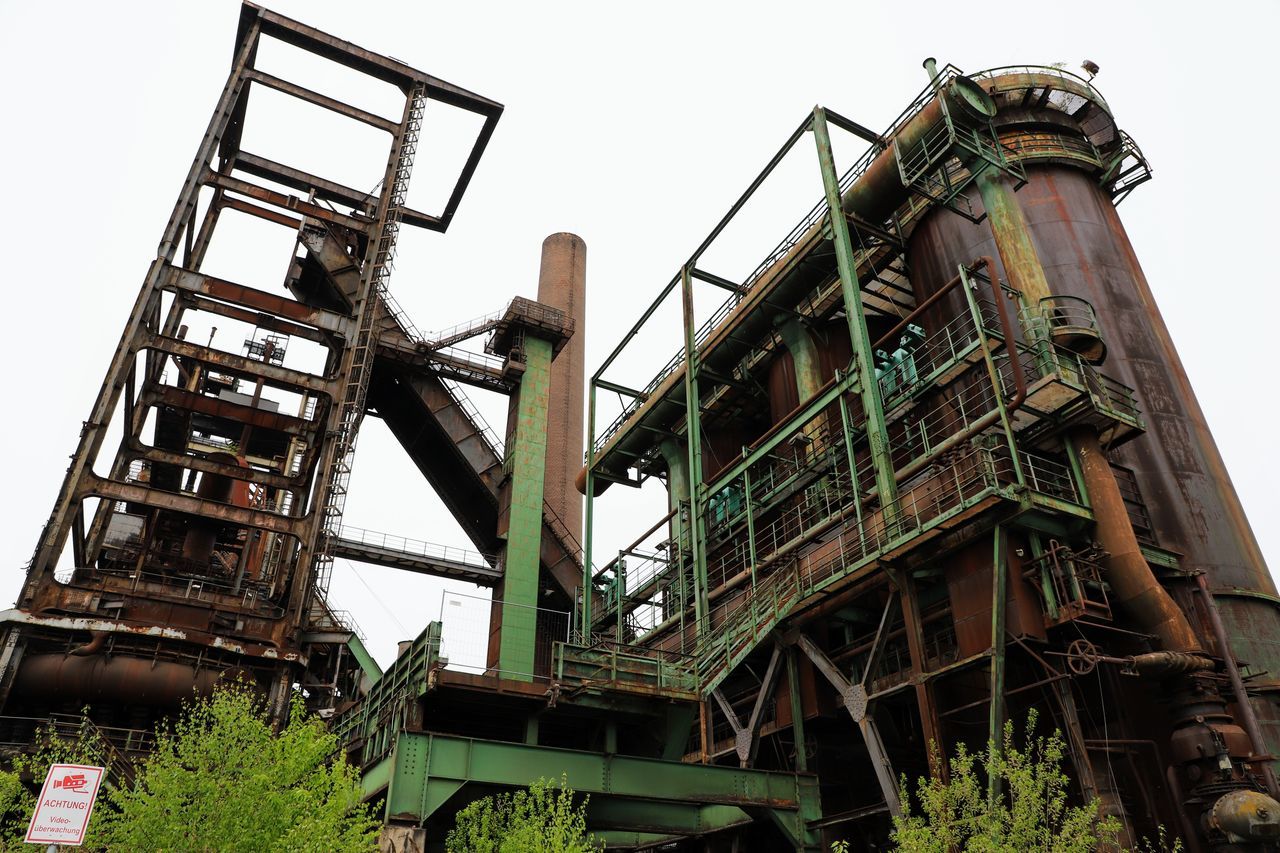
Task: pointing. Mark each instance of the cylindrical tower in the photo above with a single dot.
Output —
(562, 284)
(1075, 158)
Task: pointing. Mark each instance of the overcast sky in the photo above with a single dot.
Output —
(634, 126)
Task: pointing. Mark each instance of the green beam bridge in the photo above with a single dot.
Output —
(634, 801)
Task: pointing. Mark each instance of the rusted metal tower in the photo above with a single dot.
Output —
(201, 544)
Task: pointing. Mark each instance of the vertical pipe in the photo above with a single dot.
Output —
(562, 284)
(797, 711)
(931, 67)
(1249, 717)
(1013, 240)
(751, 522)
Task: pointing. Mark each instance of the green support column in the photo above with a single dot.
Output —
(1013, 240)
(527, 456)
(797, 710)
(804, 355)
(863, 366)
(588, 583)
(676, 456)
(693, 437)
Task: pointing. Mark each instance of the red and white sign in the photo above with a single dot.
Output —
(65, 804)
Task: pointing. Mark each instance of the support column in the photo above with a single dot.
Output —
(562, 284)
(863, 366)
(929, 722)
(526, 457)
(693, 437)
(804, 355)
(999, 596)
(797, 711)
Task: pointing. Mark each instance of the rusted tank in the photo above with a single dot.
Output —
(1194, 509)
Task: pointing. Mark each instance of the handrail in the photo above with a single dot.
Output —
(431, 550)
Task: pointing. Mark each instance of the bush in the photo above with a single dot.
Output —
(1032, 812)
(542, 819)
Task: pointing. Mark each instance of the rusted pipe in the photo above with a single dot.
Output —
(1165, 664)
(125, 680)
(1136, 588)
(97, 639)
(1247, 713)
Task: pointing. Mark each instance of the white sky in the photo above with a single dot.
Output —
(634, 126)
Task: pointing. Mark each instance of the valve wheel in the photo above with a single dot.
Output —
(1082, 657)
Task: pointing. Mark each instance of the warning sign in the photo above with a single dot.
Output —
(65, 804)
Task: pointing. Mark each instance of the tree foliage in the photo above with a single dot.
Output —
(222, 779)
(219, 779)
(1033, 811)
(543, 819)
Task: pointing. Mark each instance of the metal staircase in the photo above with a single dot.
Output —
(360, 355)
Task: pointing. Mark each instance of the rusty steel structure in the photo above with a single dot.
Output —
(932, 464)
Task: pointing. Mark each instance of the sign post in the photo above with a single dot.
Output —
(65, 805)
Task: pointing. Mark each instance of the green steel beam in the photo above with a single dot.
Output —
(588, 585)
(693, 438)
(780, 434)
(627, 793)
(863, 366)
(527, 454)
(367, 664)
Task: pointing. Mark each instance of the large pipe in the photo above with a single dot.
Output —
(1135, 587)
(879, 191)
(119, 679)
(562, 284)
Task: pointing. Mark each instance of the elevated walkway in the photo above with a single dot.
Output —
(397, 552)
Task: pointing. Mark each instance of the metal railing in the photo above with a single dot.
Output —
(464, 330)
(923, 500)
(487, 433)
(406, 545)
(465, 638)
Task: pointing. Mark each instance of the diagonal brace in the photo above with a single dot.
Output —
(854, 699)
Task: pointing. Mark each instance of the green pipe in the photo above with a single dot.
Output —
(863, 367)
